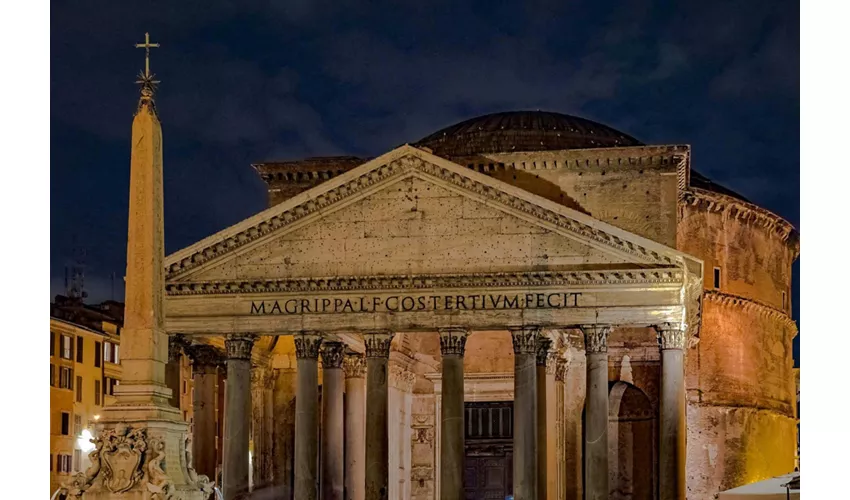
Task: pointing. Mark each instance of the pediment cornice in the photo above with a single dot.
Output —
(407, 160)
(659, 276)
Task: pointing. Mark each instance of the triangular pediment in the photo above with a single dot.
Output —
(410, 213)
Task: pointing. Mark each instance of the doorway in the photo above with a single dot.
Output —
(488, 462)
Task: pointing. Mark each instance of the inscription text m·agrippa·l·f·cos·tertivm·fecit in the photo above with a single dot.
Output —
(415, 303)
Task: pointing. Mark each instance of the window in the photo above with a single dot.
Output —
(52, 375)
(717, 278)
(79, 349)
(97, 354)
(109, 385)
(78, 457)
(97, 392)
(52, 353)
(78, 425)
(67, 348)
(107, 352)
(66, 424)
(65, 380)
(115, 358)
(79, 389)
(184, 387)
(63, 463)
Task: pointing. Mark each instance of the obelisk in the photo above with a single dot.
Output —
(141, 446)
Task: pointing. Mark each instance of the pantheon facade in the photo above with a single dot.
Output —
(523, 303)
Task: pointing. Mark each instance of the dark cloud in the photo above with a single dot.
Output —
(257, 80)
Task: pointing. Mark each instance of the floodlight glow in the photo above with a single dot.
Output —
(84, 441)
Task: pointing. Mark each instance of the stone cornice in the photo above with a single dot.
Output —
(395, 164)
(739, 209)
(666, 275)
(743, 303)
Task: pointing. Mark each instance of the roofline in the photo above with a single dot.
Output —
(81, 327)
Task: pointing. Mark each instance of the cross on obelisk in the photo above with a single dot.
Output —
(147, 46)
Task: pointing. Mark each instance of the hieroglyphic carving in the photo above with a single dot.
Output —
(524, 339)
(307, 344)
(596, 338)
(332, 354)
(453, 341)
(378, 344)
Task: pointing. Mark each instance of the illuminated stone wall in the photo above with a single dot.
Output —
(739, 377)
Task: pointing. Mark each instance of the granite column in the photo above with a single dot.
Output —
(596, 415)
(206, 363)
(452, 344)
(354, 366)
(306, 416)
(673, 429)
(525, 411)
(333, 382)
(377, 414)
(237, 424)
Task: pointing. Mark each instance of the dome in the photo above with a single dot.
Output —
(524, 131)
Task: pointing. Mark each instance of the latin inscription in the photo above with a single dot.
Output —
(415, 303)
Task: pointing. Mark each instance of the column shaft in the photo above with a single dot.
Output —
(525, 412)
(452, 344)
(355, 427)
(206, 363)
(543, 354)
(673, 426)
(377, 415)
(237, 424)
(332, 422)
(306, 416)
(596, 415)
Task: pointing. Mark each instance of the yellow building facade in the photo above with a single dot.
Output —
(84, 369)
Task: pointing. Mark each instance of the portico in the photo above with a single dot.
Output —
(409, 246)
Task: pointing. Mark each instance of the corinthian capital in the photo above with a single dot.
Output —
(307, 345)
(378, 344)
(176, 345)
(205, 358)
(238, 346)
(544, 351)
(453, 341)
(354, 365)
(332, 354)
(671, 336)
(401, 378)
(525, 339)
(596, 338)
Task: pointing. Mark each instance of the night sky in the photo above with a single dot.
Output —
(250, 81)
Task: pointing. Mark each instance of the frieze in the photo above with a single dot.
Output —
(354, 365)
(596, 338)
(453, 341)
(378, 344)
(238, 346)
(525, 339)
(559, 279)
(307, 345)
(391, 169)
(332, 354)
